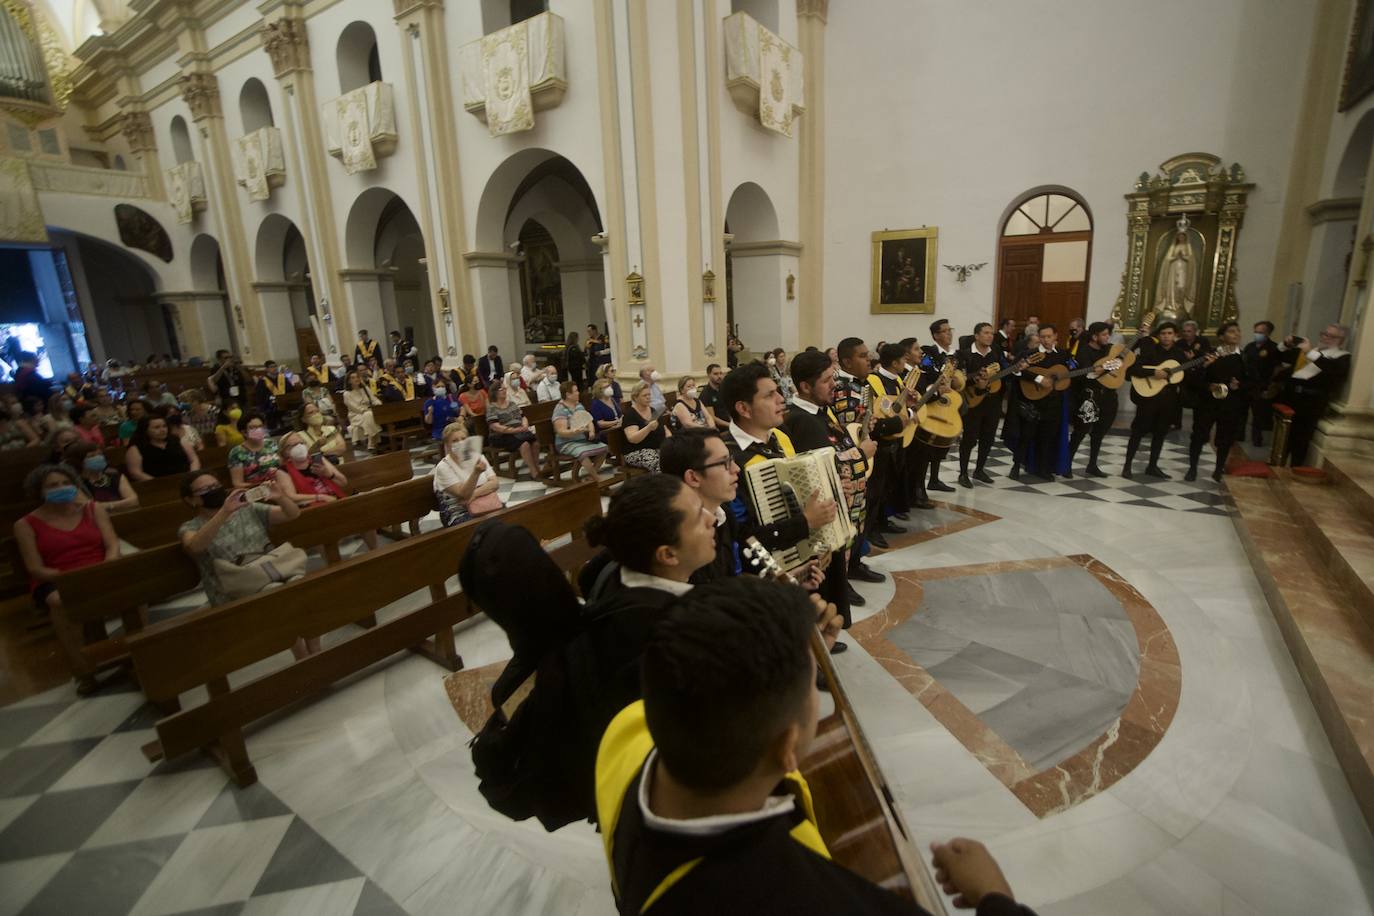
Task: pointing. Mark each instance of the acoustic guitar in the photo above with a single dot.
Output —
(938, 422)
(855, 810)
(1062, 376)
(993, 384)
(1147, 386)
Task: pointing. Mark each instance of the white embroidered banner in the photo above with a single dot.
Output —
(775, 83)
(355, 143)
(506, 80)
(186, 190)
(261, 164)
(361, 127)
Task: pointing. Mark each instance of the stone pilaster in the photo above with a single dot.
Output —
(811, 20)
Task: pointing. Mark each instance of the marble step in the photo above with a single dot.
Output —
(1340, 533)
(1331, 642)
(1354, 477)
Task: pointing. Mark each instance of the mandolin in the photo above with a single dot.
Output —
(855, 811)
(993, 384)
(1062, 376)
(1147, 386)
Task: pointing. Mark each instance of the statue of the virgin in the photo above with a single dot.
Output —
(1176, 283)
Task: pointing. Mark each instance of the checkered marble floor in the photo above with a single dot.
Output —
(88, 826)
(1203, 495)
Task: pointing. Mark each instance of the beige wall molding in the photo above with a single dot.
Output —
(765, 248)
(190, 295)
(271, 286)
(477, 259)
(286, 42)
(137, 129)
(575, 264)
(352, 274)
(201, 94)
(1333, 209)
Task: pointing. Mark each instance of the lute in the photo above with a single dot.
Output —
(855, 810)
(1147, 386)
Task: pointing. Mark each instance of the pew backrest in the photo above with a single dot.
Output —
(327, 525)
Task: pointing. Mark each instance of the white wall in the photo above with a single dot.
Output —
(941, 113)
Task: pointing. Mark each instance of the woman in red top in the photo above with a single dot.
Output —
(67, 531)
(312, 480)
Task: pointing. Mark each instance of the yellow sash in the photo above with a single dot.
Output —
(368, 350)
(320, 375)
(407, 386)
(278, 386)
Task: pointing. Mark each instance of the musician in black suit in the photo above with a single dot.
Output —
(926, 457)
(980, 423)
(1319, 374)
(1263, 357)
(756, 409)
(1153, 416)
(1041, 420)
(887, 488)
(1093, 421)
(1194, 387)
(849, 408)
(811, 425)
(1227, 414)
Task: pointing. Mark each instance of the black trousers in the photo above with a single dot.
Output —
(1106, 401)
(1228, 422)
(1043, 433)
(1262, 413)
(1153, 417)
(1307, 412)
(922, 461)
(980, 429)
(835, 587)
(887, 487)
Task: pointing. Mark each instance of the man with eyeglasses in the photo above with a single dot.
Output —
(699, 457)
(1319, 374)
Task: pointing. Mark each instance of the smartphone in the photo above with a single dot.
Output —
(258, 494)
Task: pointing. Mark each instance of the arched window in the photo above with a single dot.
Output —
(181, 140)
(359, 62)
(119, 164)
(497, 14)
(764, 12)
(255, 108)
(1043, 257)
(541, 286)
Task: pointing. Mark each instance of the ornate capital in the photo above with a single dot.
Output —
(137, 128)
(818, 9)
(287, 44)
(403, 7)
(201, 92)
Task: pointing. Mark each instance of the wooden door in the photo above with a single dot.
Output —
(306, 346)
(1019, 289)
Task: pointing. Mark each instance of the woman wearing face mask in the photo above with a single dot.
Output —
(689, 411)
(154, 452)
(104, 484)
(605, 409)
(316, 393)
(439, 409)
(464, 484)
(59, 414)
(258, 459)
(519, 395)
(359, 400)
(777, 368)
(319, 436)
(310, 480)
(607, 372)
(509, 429)
(644, 433)
(227, 433)
(67, 531)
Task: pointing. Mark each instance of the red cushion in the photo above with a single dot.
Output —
(1283, 410)
(1309, 475)
(1251, 469)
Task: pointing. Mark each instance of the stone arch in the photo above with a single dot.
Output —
(757, 264)
(358, 58)
(255, 108)
(207, 268)
(1044, 256)
(387, 269)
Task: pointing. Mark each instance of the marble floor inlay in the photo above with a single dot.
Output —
(946, 518)
(1055, 672)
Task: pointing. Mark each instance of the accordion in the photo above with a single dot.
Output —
(780, 487)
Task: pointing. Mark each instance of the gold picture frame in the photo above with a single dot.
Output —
(903, 277)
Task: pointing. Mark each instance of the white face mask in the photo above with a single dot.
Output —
(298, 453)
(654, 376)
(772, 360)
(439, 392)
(690, 392)
(457, 448)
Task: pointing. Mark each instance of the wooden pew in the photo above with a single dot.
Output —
(400, 421)
(386, 507)
(19, 461)
(161, 490)
(495, 456)
(206, 646)
(540, 415)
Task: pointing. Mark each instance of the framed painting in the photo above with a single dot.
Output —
(904, 271)
(1358, 81)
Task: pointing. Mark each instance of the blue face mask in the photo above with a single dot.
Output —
(95, 463)
(61, 495)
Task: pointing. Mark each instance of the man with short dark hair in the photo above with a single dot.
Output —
(1094, 405)
(1041, 419)
(1153, 415)
(710, 395)
(698, 794)
(851, 412)
(225, 381)
(1005, 338)
(927, 457)
(887, 490)
(979, 361)
(700, 458)
(1262, 357)
(490, 367)
(365, 349)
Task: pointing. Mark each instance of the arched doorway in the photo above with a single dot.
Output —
(1043, 256)
(539, 276)
(388, 276)
(757, 263)
(1333, 238)
(284, 288)
(117, 293)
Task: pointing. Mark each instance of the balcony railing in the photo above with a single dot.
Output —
(361, 127)
(259, 165)
(512, 73)
(763, 73)
(76, 179)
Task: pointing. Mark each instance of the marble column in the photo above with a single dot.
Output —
(811, 18)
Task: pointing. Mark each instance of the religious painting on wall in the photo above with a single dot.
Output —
(1359, 59)
(138, 229)
(541, 286)
(904, 271)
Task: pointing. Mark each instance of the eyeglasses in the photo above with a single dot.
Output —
(727, 462)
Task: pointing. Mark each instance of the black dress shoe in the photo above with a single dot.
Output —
(889, 528)
(1095, 471)
(855, 599)
(1216, 475)
(876, 539)
(923, 503)
(1068, 474)
(1015, 473)
(1126, 473)
(1154, 471)
(902, 515)
(1191, 475)
(982, 475)
(965, 482)
(862, 573)
(939, 486)
(839, 647)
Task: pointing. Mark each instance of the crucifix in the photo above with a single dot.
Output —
(639, 321)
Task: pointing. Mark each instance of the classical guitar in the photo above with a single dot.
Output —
(855, 810)
(1062, 376)
(1147, 386)
(993, 384)
(938, 421)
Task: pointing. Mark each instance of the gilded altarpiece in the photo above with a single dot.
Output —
(1183, 224)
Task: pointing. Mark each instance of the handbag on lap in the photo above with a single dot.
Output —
(251, 573)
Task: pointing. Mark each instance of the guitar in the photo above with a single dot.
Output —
(987, 385)
(860, 822)
(938, 422)
(1062, 376)
(1147, 386)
